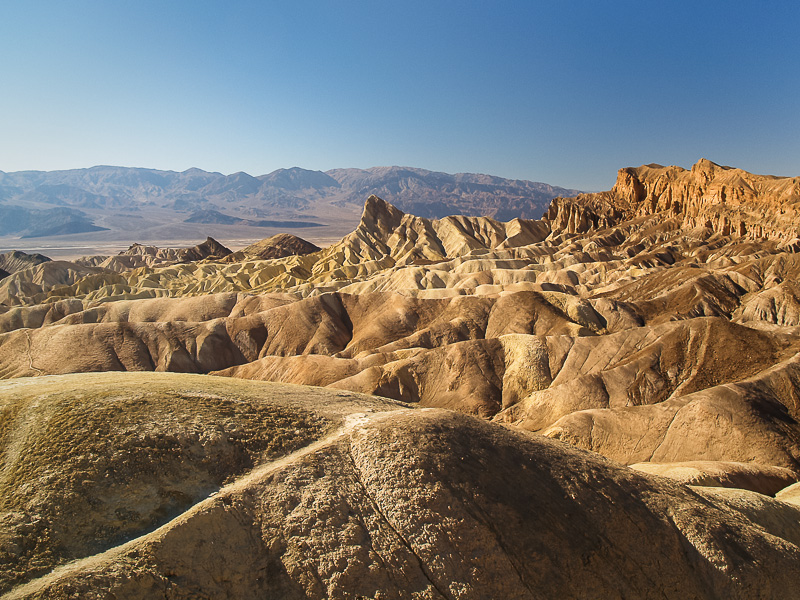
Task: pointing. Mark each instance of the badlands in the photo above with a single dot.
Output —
(602, 403)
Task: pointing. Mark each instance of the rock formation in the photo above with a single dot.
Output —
(651, 332)
(277, 246)
(13, 261)
(728, 201)
(139, 255)
(376, 500)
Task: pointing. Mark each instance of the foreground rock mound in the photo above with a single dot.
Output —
(90, 462)
(401, 503)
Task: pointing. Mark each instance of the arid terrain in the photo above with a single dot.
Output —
(603, 402)
(103, 210)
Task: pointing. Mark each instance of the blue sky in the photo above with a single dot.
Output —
(562, 92)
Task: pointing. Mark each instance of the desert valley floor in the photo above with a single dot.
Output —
(603, 403)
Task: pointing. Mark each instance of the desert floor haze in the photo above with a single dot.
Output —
(600, 403)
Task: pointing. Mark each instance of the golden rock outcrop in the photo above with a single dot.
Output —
(655, 325)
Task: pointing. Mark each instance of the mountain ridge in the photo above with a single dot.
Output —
(293, 194)
(726, 200)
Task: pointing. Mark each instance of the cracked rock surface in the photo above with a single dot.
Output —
(404, 503)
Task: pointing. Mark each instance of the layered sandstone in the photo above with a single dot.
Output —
(729, 201)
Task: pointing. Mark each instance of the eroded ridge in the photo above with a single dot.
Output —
(418, 504)
(655, 324)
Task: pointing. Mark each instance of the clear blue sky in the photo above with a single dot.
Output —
(562, 92)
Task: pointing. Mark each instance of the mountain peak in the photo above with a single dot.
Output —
(296, 178)
(379, 215)
(707, 169)
(211, 248)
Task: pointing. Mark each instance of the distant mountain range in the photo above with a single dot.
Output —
(44, 203)
(31, 222)
(206, 215)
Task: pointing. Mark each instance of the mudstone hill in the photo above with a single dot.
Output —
(600, 403)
